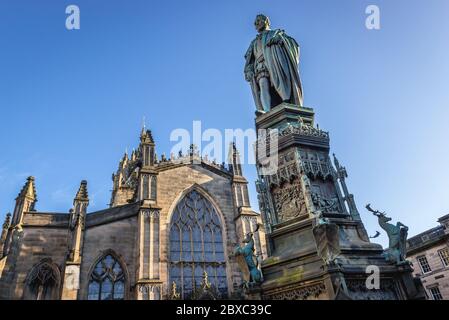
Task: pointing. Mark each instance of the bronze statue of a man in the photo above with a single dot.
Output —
(272, 67)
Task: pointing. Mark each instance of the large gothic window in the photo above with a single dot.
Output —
(107, 281)
(196, 246)
(43, 282)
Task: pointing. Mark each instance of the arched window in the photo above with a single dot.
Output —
(107, 280)
(196, 246)
(43, 282)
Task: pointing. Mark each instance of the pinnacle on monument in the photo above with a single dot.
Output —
(336, 162)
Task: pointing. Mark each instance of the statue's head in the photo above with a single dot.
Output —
(262, 23)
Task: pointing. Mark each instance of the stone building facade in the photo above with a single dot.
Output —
(429, 254)
(169, 233)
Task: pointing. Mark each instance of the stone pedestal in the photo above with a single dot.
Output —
(318, 247)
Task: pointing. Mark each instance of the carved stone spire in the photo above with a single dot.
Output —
(336, 162)
(125, 159)
(29, 190)
(348, 197)
(239, 183)
(77, 222)
(75, 242)
(341, 171)
(7, 222)
(25, 201)
(147, 148)
(4, 234)
(134, 155)
(146, 136)
(82, 194)
(234, 159)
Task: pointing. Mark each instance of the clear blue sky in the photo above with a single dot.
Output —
(72, 101)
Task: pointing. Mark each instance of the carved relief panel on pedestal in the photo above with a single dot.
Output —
(324, 191)
(289, 201)
(285, 188)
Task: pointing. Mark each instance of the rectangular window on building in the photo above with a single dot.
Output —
(444, 256)
(435, 293)
(424, 264)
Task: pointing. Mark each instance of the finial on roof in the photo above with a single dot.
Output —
(7, 222)
(145, 134)
(82, 194)
(29, 189)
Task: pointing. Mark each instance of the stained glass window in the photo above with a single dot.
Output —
(107, 281)
(196, 245)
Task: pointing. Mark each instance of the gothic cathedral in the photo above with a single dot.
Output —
(170, 233)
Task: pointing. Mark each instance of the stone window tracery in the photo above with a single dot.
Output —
(107, 280)
(196, 245)
(43, 282)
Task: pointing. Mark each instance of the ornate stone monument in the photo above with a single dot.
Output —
(318, 247)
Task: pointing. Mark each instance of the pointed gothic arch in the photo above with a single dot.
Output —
(197, 243)
(108, 278)
(43, 282)
(205, 193)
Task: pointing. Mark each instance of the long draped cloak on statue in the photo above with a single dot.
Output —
(281, 60)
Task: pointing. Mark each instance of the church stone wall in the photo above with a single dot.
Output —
(116, 230)
(119, 236)
(37, 243)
